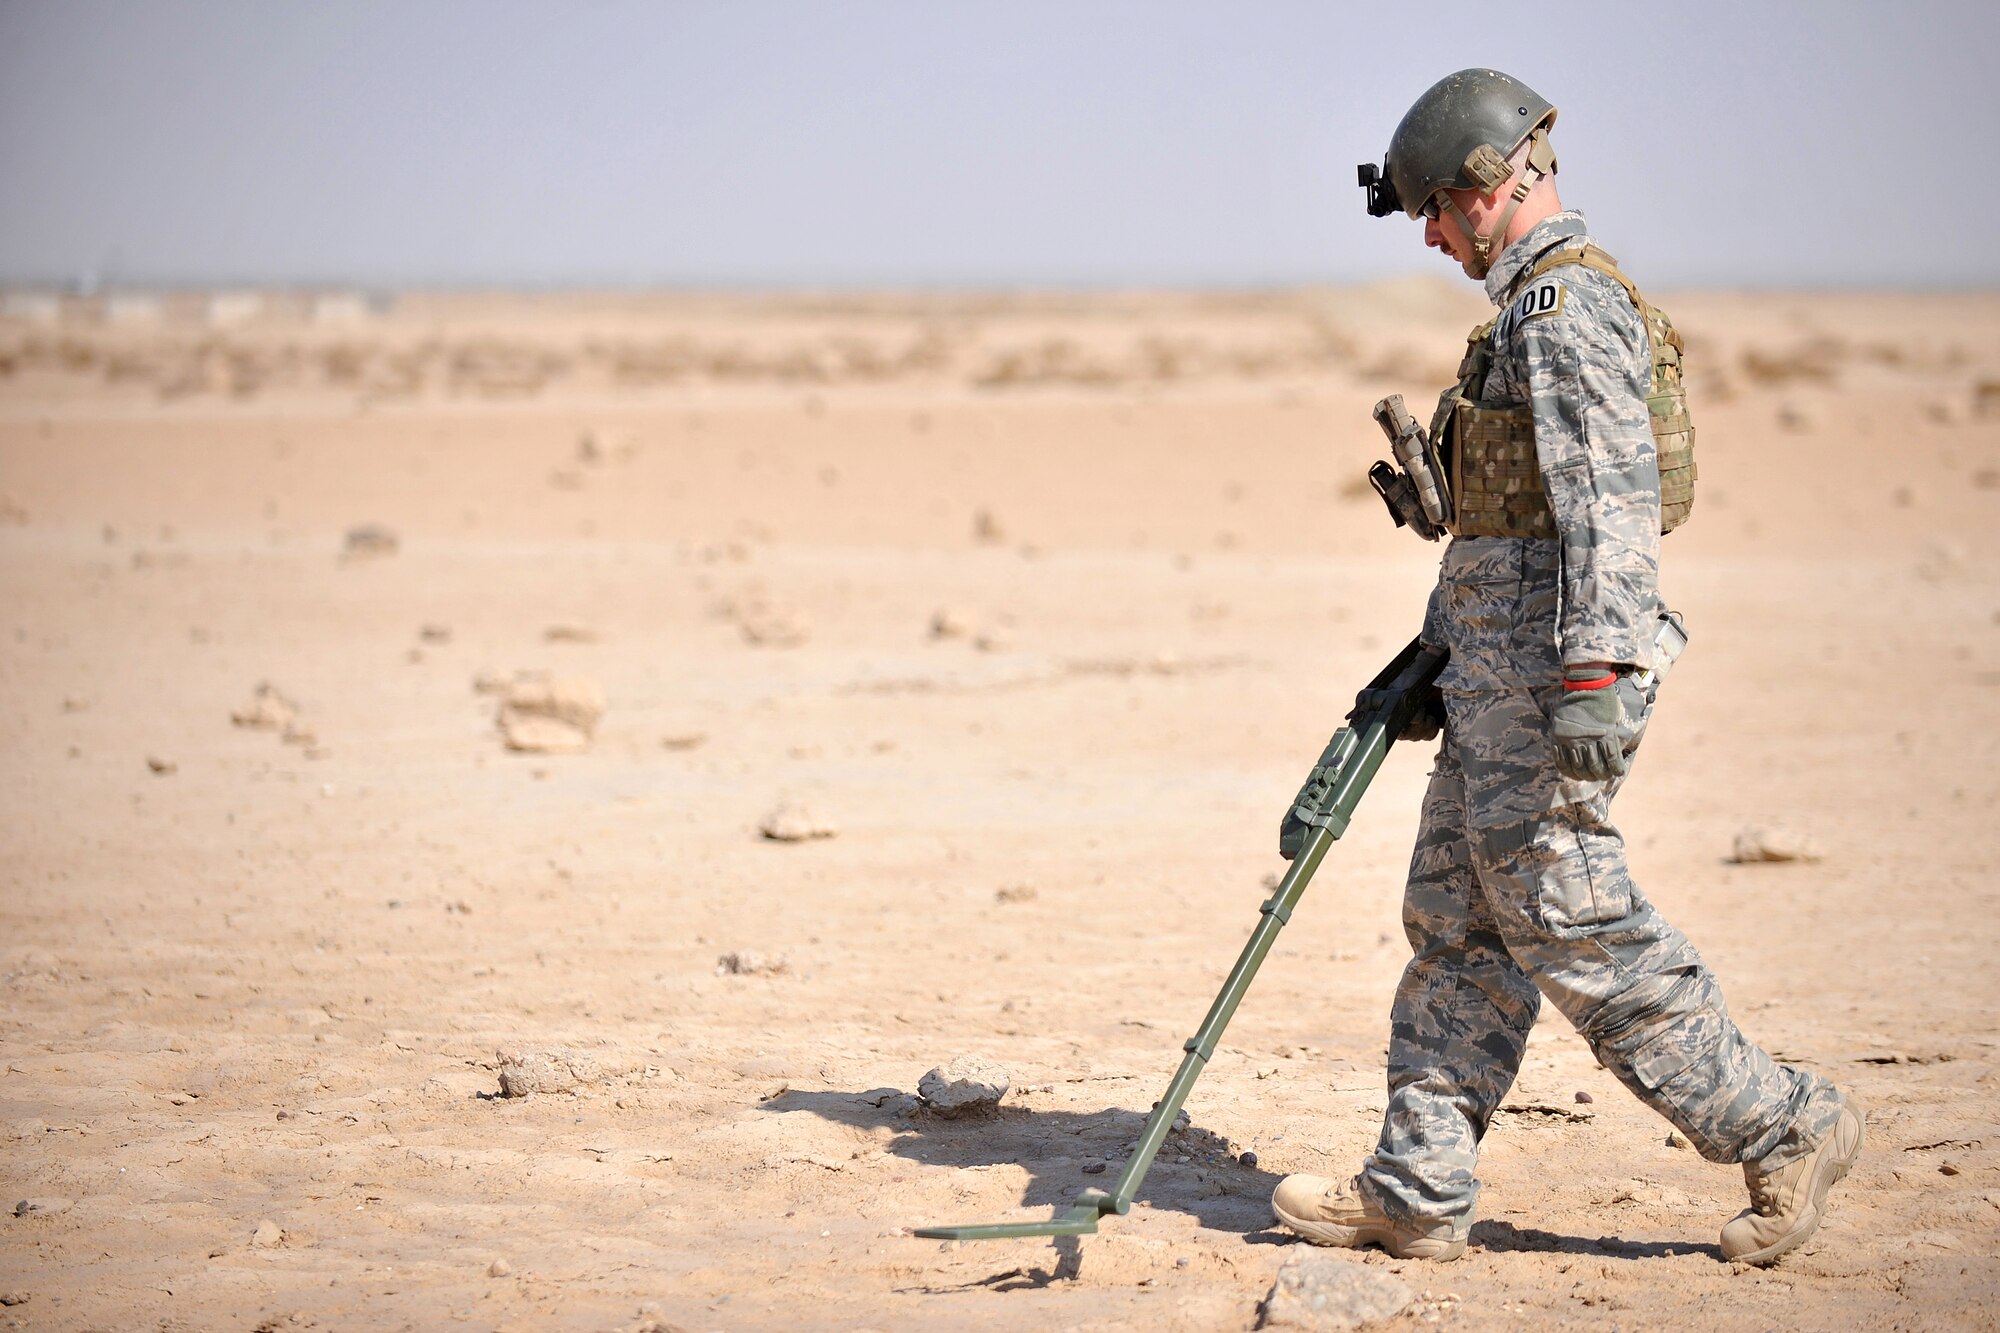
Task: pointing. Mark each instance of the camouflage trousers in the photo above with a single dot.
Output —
(1518, 889)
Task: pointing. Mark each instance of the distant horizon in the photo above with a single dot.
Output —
(869, 145)
(330, 286)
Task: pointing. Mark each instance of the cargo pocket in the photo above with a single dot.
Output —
(1581, 881)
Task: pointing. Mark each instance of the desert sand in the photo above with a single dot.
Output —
(1027, 616)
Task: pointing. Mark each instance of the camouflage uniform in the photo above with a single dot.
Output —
(1518, 886)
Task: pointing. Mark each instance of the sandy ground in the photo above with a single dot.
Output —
(253, 1000)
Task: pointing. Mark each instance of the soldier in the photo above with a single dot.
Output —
(1548, 603)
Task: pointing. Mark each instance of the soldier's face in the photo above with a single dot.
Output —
(1446, 233)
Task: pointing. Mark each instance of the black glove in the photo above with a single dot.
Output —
(1595, 722)
(1425, 722)
(1428, 719)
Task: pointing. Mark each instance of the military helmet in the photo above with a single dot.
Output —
(1457, 136)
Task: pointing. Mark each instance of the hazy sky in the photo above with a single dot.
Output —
(932, 142)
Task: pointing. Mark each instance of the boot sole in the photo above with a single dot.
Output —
(1829, 1173)
(1353, 1238)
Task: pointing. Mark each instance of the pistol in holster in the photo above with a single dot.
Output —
(1414, 488)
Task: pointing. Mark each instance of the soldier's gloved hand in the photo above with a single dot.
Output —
(1594, 721)
(1428, 719)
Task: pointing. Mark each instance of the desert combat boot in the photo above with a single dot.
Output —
(1338, 1212)
(1788, 1202)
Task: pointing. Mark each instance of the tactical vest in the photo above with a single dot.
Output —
(1489, 452)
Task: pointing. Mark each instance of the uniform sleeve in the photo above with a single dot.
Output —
(1587, 382)
(1432, 635)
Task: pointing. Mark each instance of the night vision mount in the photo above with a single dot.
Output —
(1382, 197)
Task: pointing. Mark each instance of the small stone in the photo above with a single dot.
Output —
(1947, 1168)
(268, 710)
(435, 633)
(949, 622)
(41, 1207)
(160, 765)
(555, 1069)
(541, 735)
(1247, 1159)
(499, 1268)
(569, 634)
(14, 1297)
(1324, 1292)
(795, 821)
(368, 540)
(993, 641)
(987, 529)
(767, 623)
(1773, 843)
(576, 701)
(1675, 1140)
(748, 963)
(964, 1085)
(268, 1235)
(1016, 893)
(685, 740)
(1585, 1098)
(1093, 1168)
(557, 716)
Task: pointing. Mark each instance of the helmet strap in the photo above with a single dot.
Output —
(1541, 162)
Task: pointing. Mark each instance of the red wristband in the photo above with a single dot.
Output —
(1610, 678)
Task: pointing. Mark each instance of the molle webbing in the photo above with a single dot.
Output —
(1497, 488)
(1496, 481)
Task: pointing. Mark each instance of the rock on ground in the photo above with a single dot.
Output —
(794, 821)
(370, 539)
(1755, 845)
(948, 622)
(556, 1069)
(575, 700)
(268, 710)
(41, 1207)
(966, 1085)
(557, 716)
(747, 963)
(771, 626)
(1323, 1291)
(541, 735)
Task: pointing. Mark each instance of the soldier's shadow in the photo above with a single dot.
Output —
(1504, 1237)
(1054, 1148)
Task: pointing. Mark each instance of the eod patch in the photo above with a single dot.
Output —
(1543, 297)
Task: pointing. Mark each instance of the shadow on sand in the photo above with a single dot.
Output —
(1054, 1147)
(1213, 1187)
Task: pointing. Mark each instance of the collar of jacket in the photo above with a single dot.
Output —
(1517, 258)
